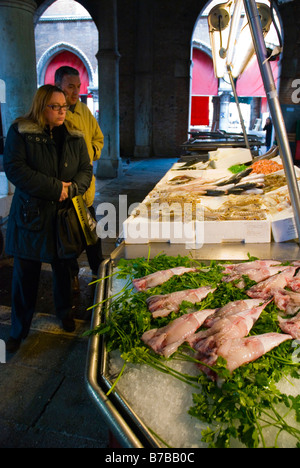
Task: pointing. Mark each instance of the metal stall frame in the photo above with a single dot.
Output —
(121, 420)
(274, 106)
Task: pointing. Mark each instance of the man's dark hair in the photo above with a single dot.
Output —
(62, 71)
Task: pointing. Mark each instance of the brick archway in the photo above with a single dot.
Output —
(73, 57)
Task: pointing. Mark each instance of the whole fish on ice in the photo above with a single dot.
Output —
(232, 326)
(291, 326)
(162, 305)
(258, 270)
(264, 289)
(166, 340)
(287, 301)
(159, 277)
(230, 309)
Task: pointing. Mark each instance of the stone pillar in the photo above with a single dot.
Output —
(18, 60)
(224, 110)
(216, 113)
(255, 112)
(110, 164)
(143, 80)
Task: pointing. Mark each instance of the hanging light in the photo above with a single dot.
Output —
(241, 47)
(230, 37)
(235, 26)
(218, 24)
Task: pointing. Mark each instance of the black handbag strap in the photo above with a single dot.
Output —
(73, 190)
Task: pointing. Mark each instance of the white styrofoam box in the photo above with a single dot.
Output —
(182, 233)
(284, 229)
(141, 230)
(216, 232)
(196, 233)
(223, 158)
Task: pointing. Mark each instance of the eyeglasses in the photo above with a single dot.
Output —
(57, 107)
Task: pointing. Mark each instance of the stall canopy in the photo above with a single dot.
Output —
(68, 58)
(250, 82)
(204, 81)
(204, 84)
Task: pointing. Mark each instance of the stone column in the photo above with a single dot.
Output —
(216, 113)
(17, 72)
(143, 80)
(110, 164)
(255, 111)
(18, 60)
(224, 110)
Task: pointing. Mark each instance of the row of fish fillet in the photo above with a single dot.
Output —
(226, 328)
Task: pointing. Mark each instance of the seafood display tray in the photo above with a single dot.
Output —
(122, 420)
(176, 212)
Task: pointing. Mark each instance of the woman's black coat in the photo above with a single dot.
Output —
(33, 165)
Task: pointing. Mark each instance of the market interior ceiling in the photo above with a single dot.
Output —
(201, 92)
(144, 58)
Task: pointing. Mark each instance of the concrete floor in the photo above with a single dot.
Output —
(44, 401)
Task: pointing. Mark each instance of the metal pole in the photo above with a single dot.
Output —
(274, 106)
(238, 107)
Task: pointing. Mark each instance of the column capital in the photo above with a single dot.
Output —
(28, 5)
(108, 54)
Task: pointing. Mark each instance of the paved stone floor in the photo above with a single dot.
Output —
(43, 396)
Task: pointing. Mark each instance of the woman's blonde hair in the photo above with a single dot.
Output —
(39, 104)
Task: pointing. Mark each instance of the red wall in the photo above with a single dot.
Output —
(70, 59)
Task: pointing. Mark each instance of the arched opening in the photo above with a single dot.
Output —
(68, 58)
(203, 90)
(65, 34)
(218, 110)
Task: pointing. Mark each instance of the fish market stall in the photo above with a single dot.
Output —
(157, 393)
(195, 332)
(160, 357)
(229, 198)
(202, 142)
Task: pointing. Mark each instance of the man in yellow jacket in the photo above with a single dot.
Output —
(79, 115)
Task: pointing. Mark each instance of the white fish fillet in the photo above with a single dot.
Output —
(239, 351)
(237, 325)
(258, 270)
(231, 308)
(287, 301)
(264, 289)
(166, 340)
(294, 284)
(244, 350)
(244, 266)
(291, 326)
(163, 304)
(159, 277)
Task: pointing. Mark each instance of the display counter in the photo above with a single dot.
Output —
(242, 217)
(229, 198)
(117, 406)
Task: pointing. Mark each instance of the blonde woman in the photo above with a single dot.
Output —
(43, 160)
